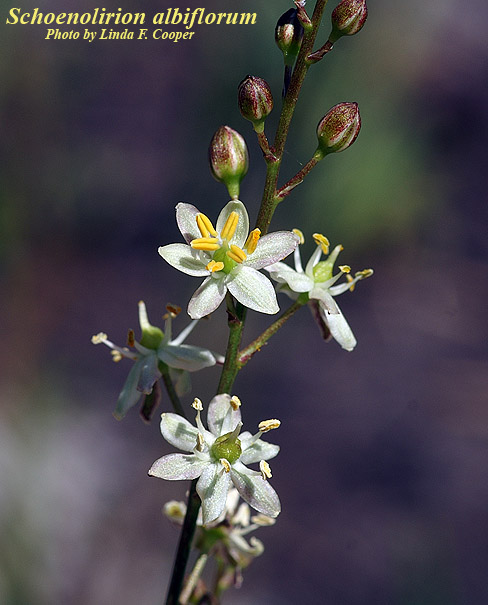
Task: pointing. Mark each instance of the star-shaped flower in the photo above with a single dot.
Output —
(318, 282)
(228, 256)
(156, 347)
(219, 457)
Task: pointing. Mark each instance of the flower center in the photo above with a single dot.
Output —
(228, 446)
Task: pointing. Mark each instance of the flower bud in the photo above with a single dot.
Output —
(229, 159)
(289, 35)
(255, 101)
(348, 18)
(338, 129)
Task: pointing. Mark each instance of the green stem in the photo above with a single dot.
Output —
(269, 203)
(246, 354)
(237, 315)
(170, 389)
(298, 178)
(184, 545)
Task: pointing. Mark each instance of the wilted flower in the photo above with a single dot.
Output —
(219, 457)
(228, 257)
(318, 282)
(156, 347)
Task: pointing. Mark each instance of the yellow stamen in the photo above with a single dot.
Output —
(322, 241)
(205, 243)
(262, 520)
(197, 404)
(345, 268)
(205, 226)
(225, 464)
(200, 442)
(364, 273)
(265, 470)
(300, 235)
(116, 355)
(236, 254)
(99, 338)
(268, 425)
(352, 282)
(252, 240)
(214, 266)
(235, 402)
(230, 226)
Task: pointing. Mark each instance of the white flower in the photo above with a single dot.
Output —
(219, 457)
(156, 347)
(228, 256)
(318, 282)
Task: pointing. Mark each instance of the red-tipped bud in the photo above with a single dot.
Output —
(289, 35)
(255, 101)
(338, 129)
(229, 159)
(348, 18)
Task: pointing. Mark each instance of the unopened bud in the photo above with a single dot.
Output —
(255, 101)
(348, 18)
(229, 159)
(289, 35)
(338, 129)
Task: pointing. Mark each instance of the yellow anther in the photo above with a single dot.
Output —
(265, 470)
(268, 425)
(262, 520)
(205, 243)
(197, 404)
(214, 266)
(364, 273)
(352, 282)
(130, 338)
(173, 310)
(200, 442)
(99, 338)
(230, 226)
(252, 240)
(205, 226)
(345, 268)
(116, 355)
(236, 254)
(235, 402)
(300, 235)
(322, 241)
(225, 464)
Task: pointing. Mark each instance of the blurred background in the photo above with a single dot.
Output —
(382, 473)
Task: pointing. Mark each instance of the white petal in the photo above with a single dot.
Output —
(186, 217)
(242, 229)
(313, 260)
(129, 395)
(212, 487)
(181, 381)
(272, 248)
(327, 302)
(186, 357)
(221, 416)
(178, 431)
(183, 258)
(253, 290)
(257, 492)
(298, 282)
(339, 328)
(149, 374)
(259, 450)
(207, 298)
(176, 467)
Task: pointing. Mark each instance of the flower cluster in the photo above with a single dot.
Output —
(219, 457)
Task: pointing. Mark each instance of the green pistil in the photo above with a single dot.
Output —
(227, 446)
(151, 337)
(323, 271)
(220, 256)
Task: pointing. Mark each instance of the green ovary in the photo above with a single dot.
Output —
(227, 447)
(220, 256)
